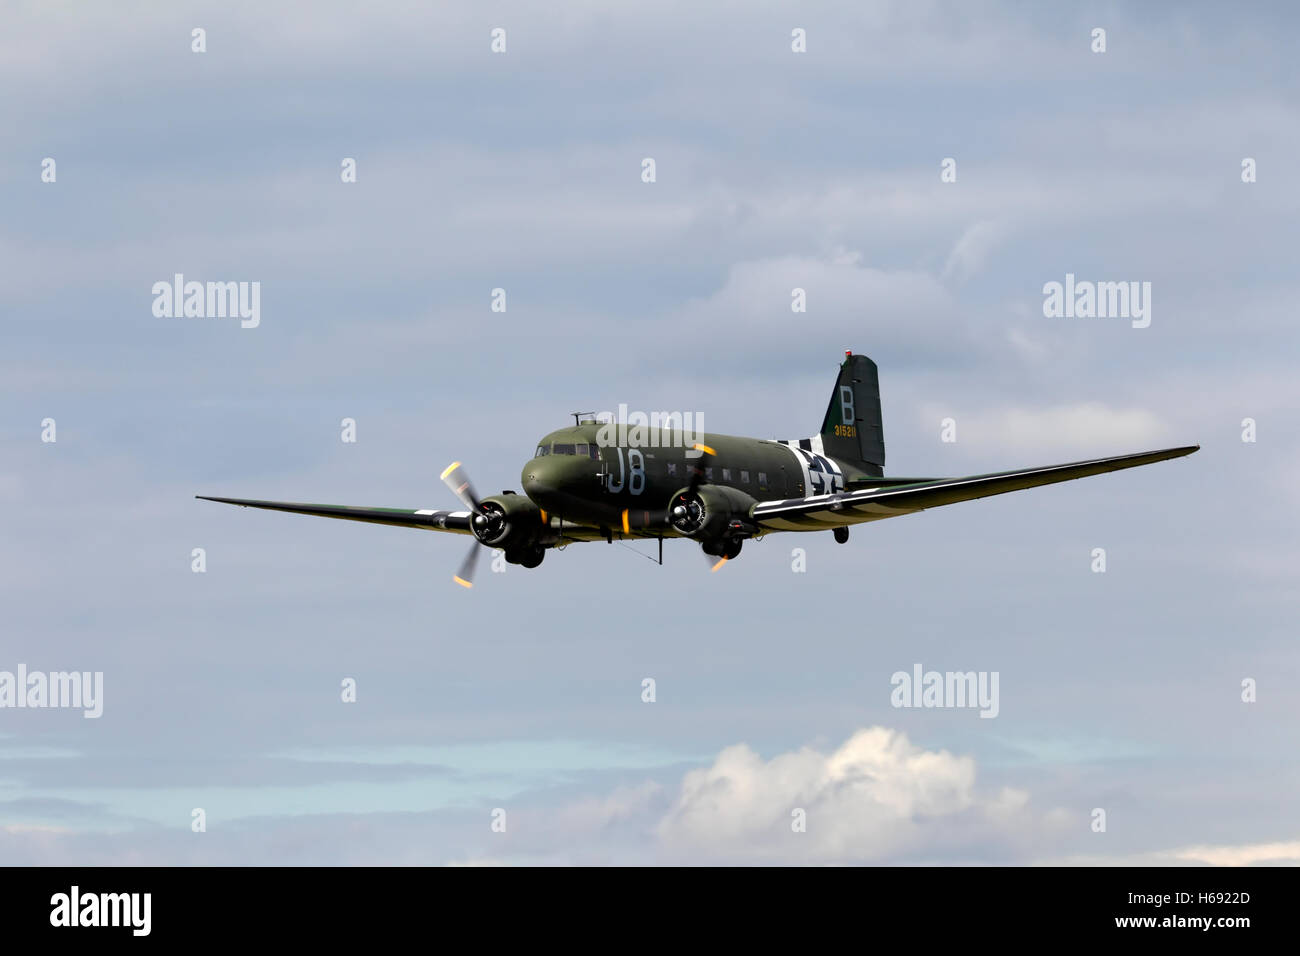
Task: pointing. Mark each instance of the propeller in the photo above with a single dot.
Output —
(697, 470)
(456, 478)
(685, 509)
(684, 512)
(465, 576)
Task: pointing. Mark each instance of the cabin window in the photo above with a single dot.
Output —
(744, 477)
(559, 449)
(580, 449)
(542, 450)
(762, 481)
(708, 474)
(672, 469)
(726, 474)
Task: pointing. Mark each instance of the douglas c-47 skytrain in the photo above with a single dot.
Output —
(718, 490)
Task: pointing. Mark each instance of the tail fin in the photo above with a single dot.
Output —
(852, 430)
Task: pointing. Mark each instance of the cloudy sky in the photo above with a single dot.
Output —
(1119, 691)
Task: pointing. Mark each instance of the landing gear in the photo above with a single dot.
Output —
(526, 557)
(841, 535)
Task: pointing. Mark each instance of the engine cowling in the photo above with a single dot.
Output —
(510, 522)
(710, 512)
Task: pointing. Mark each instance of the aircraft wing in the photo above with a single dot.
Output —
(872, 504)
(454, 521)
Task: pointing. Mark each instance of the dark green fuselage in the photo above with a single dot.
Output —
(591, 474)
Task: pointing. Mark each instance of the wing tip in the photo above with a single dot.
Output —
(241, 502)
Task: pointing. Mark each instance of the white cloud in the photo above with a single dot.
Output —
(1282, 853)
(1245, 855)
(877, 797)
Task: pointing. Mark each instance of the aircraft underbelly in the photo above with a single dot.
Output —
(832, 517)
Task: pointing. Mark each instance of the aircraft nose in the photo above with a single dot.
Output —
(533, 477)
(550, 479)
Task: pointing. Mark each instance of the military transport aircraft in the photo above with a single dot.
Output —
(594, 482)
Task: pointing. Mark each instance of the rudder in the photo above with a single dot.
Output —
(852, 430)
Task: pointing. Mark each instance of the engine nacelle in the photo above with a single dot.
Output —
(509, 522)
(710, 512)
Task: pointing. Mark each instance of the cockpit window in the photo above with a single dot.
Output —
(581, 449)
